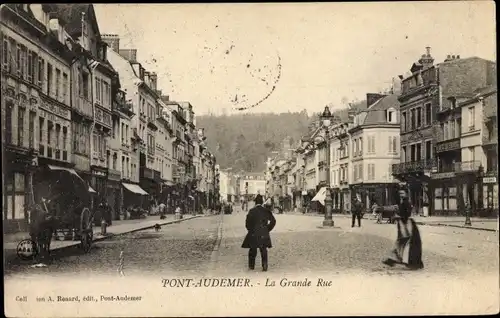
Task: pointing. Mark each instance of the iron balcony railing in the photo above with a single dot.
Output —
(468, 166)
(415, 166)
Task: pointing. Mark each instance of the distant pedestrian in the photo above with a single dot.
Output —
(408, 246)
(356, 211)
(259, 223)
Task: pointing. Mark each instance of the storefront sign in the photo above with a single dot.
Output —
(448, 145)
(52, 117)
(56, 110)
(490, 180)
(98, 173)
(102, 117)
(443, 175)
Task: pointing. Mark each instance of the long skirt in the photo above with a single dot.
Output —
(408, 246)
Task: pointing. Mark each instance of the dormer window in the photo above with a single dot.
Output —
(391, 116)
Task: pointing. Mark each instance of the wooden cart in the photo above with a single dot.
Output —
(62, 205)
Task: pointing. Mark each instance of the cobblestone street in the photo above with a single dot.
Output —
(459, 264)
(182, 247)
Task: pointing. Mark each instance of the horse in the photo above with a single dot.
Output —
(41, 229)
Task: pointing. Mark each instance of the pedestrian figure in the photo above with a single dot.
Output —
(357, 211)
(259, 223)
(408, 246)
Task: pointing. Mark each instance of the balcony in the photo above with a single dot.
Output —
(413, 167)
(84, 107)
(152, 124)
(447, 145)
(468, 166)
(126, 109)
(151, 174)
(114, 175)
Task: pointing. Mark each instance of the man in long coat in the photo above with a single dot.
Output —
(259, 223)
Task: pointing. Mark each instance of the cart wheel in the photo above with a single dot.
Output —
(86, 230)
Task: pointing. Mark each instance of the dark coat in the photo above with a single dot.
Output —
(405, 210)
(259, 222)
(357, 207)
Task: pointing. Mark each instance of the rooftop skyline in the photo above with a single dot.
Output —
(289, 57)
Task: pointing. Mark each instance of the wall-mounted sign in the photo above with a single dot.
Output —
(490, 180)
(56, 110)
(49, 116)
(102, 117)
(443, 175)
(448, 145)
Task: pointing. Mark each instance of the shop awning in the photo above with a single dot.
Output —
(56, 168)
(134, 188)
(92, 190)
(320, 196)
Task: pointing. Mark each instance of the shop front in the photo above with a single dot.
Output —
(444, 189)
(133, 197)
(114, 193)
(490, 190)
(18, 170)
(383, 194)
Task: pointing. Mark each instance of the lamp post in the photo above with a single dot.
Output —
(326, 118)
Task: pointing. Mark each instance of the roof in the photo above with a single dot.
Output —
(376, 114)
(72, 15)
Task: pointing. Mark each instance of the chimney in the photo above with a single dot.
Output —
(458, 57)
(372, 98)
(129, 54)
(112, 40)
(396, 86)
(154, 78)
(426, 60)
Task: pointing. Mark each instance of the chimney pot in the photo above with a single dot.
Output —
(428, 49)
(458, 56)
(453, 57)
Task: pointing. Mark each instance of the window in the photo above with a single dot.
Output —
(403, 121)
(428, 149)
(30, 67)
(403, 154)
(65, 138)
(22, 61)
(393, 144)
(107, 95)
(8, 122)
(41, 122)
(20, 127)
(428, 114)
(14, 195)
(58, 136)
(412, 119)
(5, 54)
(412, 153)
(472, 118)
(419, 152)
(472, 154)
(58, 82)
(34, 68)
(50, 127)
(31, 132)
(94, 143)
(49, 79)
(371, 171)
(18, 60)
(40, 71)
(419, 117)
(85, 85)
(65, 86)
(98, 90)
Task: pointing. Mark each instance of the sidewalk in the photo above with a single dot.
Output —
(118, 228)
(485, 224)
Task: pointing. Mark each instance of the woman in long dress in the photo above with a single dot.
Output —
(408, 246)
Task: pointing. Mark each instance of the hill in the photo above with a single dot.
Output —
(244, 141)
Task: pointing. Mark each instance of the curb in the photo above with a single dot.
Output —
(215, 252)
(458, 226)
(140, 229)
(127, 232)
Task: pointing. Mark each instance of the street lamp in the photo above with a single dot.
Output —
(326, 119)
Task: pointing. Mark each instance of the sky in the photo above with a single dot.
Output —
(255, 58)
